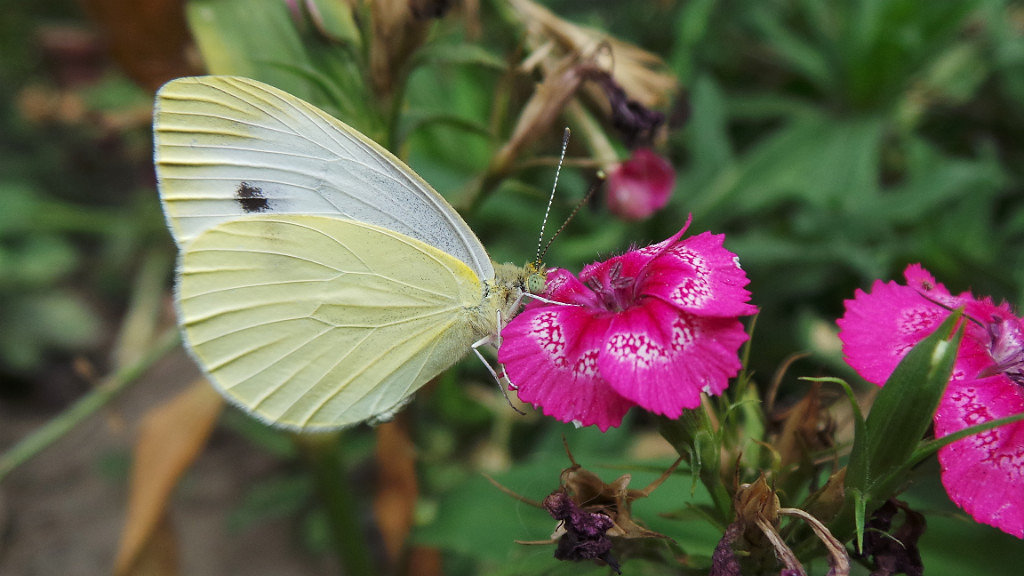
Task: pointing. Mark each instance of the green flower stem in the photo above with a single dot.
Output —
(325, 461)
(88, 405)
(694, 438)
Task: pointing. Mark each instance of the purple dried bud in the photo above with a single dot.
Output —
(585, 535)
(634, 121)
(559, 505)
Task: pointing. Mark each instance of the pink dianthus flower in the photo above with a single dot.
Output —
(983, 473)
(654, 327)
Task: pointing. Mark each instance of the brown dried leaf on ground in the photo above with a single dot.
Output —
(397, 489)
(170, 439)
(159, 553)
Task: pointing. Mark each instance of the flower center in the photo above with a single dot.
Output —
(616, 292)
(1006, 347)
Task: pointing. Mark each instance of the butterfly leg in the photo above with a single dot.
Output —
(545, 300)
(495, 340)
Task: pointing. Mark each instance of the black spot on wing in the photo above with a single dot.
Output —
(251, 198)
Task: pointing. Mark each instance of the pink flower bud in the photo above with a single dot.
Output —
(640, 186)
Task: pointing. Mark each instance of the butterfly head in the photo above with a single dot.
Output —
(536, 278)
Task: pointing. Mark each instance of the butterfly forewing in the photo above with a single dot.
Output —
(319, 322)
(227, 147)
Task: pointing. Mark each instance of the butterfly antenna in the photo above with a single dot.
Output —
(579, 206)
(551, 198)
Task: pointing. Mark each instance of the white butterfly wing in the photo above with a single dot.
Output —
(228, 146)
(315, 322)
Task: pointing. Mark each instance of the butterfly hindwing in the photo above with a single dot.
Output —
(320, 322)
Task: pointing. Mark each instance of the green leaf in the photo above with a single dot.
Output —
(860, 505)
(438, 53)
(335, 20)
(794, 164)
(805, 57)
(932, 446)
(37, 323)
(36, 262)
(274, 497)
(708, 132)
(902, 412)
(252, 38)
(693, 26)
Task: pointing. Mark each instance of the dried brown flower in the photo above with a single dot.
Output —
(397, 34)
(755, 532)
(593, 516)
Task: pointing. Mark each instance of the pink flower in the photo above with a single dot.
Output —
(640, 186)
(983, 473)
(654, 327)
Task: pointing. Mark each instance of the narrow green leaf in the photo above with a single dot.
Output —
(903, 409)
(860, 506)
(800, 54)
(926, 449)
(790, 165)
(708, 130)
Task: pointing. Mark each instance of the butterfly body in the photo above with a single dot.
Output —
(321, 282)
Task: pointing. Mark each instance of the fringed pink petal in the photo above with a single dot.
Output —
(880, 327)
(662, 359)
(550, 355)
(698, 275)
(630, 264)
(984, 473)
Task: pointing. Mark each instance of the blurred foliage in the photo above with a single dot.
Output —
(75, 203)
(832, 142)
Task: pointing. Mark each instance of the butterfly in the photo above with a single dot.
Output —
(320, 281)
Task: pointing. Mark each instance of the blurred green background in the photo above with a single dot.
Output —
(832, 142)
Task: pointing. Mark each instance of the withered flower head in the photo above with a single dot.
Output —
(593, 516)
(397, 33)
(755, 532)
(614, 500)
(622, 81)
(583, 534)
(635, 122)
(548, 100)
(643, 75)
(805, 430)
